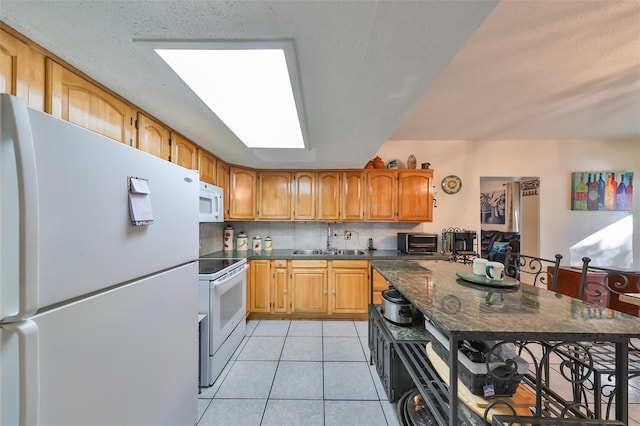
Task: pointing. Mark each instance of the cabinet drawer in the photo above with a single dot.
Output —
(359, 264)
(302, 263)
(280, 263)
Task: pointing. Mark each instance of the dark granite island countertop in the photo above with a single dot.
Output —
(523, 311)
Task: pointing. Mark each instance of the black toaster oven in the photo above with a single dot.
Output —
(417, 243)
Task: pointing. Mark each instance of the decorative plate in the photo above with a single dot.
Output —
(481, 279)
(451, 184)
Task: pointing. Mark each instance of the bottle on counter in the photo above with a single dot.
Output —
(228, 238)
(242, 242)
(268, 244)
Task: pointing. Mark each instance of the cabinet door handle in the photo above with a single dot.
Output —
(324, 291)
(333, 292)
(284, 291)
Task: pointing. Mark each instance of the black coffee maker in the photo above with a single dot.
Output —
(459, 241)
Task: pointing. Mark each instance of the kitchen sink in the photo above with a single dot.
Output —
(307, 252)
(325, 252)
(348, 252)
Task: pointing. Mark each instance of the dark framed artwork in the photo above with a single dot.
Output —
(602, 191)
(492, 207)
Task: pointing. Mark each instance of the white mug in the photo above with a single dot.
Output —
(480, 266)
(495, 271)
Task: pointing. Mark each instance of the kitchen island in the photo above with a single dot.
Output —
(520, 314)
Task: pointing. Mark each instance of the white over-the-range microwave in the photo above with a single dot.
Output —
(211, 203)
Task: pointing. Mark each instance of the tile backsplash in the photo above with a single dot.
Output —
(309, 235)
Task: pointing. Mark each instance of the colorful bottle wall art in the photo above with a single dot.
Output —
(602, 191)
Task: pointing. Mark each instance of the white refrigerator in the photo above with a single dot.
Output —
(98, 278)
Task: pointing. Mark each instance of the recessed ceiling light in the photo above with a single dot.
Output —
(247, 85)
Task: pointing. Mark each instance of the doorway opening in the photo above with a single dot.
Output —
(511, 204)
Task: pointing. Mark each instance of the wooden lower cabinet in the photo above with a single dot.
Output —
(259, 284)
(310, 289)
(349, 286)
(280, 301)
(268, 291)
(309, 286)
(379, 284)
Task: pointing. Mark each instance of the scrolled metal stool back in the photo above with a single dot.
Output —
(535, 267)
(597, 284)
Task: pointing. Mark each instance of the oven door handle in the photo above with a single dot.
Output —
(227, 279)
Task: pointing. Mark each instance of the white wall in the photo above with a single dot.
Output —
(561, 230)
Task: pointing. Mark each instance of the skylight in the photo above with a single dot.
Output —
(249, 89)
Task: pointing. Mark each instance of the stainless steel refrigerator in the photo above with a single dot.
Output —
(98, 278)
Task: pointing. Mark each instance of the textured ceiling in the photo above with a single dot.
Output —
(373, 71)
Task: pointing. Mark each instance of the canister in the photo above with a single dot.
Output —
(257, 243)
(242, 242)
(268, 244)
(228, 238)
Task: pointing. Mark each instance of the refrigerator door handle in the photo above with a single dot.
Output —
(19, 218)
(28, 375)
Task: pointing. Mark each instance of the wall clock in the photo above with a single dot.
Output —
(451, 184)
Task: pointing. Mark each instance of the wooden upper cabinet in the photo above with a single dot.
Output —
(222, 180)
(415, 195)
(153, 137)
(207, 166)
(353, 196)
(75, 99)
(242, 184)
(382, 195)
(14, 66)
(274, 195)
(304, 195)
(328, 197)
(184, 152)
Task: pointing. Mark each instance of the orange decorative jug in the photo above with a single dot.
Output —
(378, 163)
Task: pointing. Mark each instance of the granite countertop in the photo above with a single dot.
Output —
(516, 312)
(287, 254)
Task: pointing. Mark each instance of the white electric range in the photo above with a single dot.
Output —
(223, 298)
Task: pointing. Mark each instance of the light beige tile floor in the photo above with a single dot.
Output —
(309, 373)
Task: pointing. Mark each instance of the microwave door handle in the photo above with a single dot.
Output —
(217, 201)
